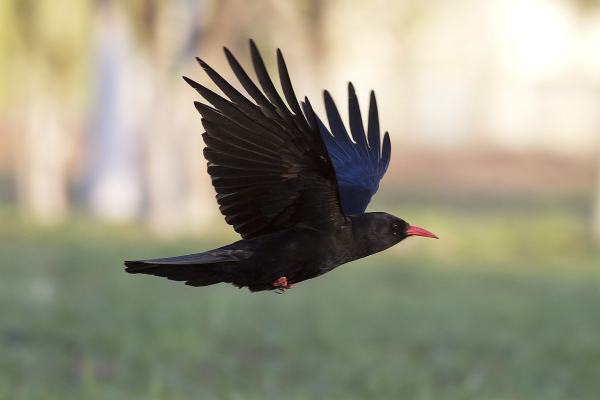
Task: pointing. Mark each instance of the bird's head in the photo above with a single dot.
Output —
(383, 230)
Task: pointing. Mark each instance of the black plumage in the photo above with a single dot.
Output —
(294, 190)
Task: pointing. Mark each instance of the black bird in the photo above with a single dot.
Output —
(294, 190)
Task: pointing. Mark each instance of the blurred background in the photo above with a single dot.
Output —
(494, 112)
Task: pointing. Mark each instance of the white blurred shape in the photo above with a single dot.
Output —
(535, 36)
(114, 181)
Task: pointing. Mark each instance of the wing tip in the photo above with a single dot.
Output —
(202, 63)
(307, 104)
(254, 53)
(190, 82)
(351, 87)
(228, 54)
(386, 152)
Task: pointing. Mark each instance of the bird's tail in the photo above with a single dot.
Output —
(201, 269)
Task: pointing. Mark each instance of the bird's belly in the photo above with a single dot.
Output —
(297, 254)
(299, 260)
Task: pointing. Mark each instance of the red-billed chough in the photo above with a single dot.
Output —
(294, 189)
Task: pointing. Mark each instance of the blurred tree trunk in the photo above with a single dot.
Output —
(113, 181)
(596, 222)
(164, 35)
(46, 49)
(179, 193)
(42, 157)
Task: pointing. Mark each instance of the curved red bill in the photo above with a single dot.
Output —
(416, 231)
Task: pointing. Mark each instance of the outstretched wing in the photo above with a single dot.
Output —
(267, 162)
(359, 164)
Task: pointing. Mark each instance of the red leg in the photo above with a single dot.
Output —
(282, 283)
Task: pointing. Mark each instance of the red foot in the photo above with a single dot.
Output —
(282, 283)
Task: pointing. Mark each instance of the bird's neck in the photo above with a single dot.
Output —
(367, 239)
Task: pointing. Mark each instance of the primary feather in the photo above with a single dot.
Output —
(268, 165)
(260, 128)
(359, 164)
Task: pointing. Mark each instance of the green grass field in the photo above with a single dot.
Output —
(488, 312)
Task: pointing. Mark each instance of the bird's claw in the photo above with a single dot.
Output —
(282, 284)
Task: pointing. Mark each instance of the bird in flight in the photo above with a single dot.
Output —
(295, 189)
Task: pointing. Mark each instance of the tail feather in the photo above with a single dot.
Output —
(201, 269)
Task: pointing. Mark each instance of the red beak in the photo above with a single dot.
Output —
(416, 231)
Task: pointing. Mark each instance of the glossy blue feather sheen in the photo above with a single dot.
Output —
(359, 164)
